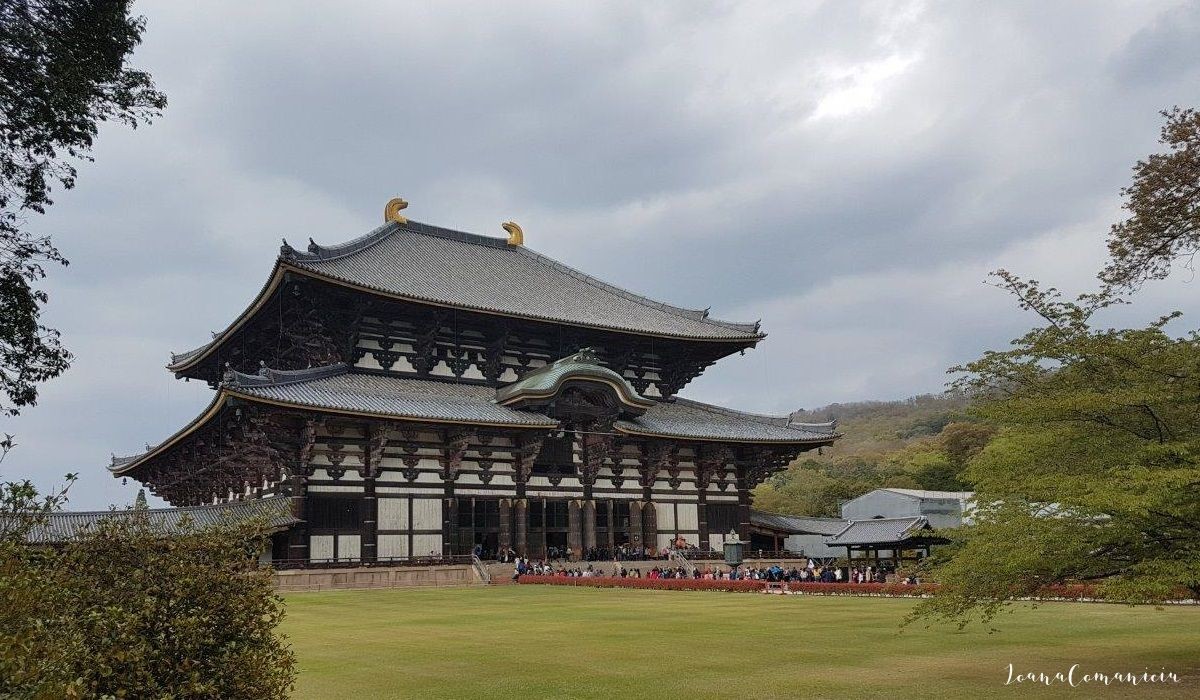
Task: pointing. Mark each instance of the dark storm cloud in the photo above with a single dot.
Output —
(1161, 51)
(848, 172)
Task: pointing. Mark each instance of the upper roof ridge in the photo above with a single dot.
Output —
(325, 253)
(317, 252)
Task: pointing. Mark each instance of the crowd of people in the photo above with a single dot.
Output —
(622, 552)
(812, 573)
(592, 554)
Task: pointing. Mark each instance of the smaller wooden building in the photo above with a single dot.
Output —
(894, 539)
(800, 535)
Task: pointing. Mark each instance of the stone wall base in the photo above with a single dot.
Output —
(375, 577)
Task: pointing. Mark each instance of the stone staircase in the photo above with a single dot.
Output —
(678, 559)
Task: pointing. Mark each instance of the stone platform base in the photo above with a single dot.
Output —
(375, 577)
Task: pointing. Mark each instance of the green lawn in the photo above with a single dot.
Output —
(537, 642)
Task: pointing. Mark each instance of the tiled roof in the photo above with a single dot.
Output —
(66, 525)
(878, 531)
(797, 525)
(340, 389)
(429, 263)
(687, 419)
(583, 365)
(336, 388)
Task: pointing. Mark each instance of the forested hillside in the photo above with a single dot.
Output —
(922, 442)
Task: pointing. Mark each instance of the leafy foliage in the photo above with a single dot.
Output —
(126, 612)
(1164, 207)
(1096, 472)
(62, 73)
(1095, 475)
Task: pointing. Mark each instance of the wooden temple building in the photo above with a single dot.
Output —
(421, 391)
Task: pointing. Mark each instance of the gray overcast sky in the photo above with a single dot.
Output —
(848, 172)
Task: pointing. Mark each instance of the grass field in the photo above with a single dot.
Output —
(549, 642)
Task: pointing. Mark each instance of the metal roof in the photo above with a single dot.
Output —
(878, 531)
(67, 525)
(796, 524)
(934, 495)
(443, 266)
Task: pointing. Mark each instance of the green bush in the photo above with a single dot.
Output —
(126, 612)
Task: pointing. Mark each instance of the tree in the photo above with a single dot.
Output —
(1095, 474)
(128, 611)
(63, 72)
(1164, 206)
(962, 441)
(799, 491)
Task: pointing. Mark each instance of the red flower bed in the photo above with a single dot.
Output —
(676, 584)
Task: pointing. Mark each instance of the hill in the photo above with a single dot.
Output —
(876, 427)
(920, 442)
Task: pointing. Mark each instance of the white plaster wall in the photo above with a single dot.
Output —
(393, 546)
(666, 517)
(349, 547)
(393, 514)
(424, 544)
(320, 547)
(427, 515)
(689, 516)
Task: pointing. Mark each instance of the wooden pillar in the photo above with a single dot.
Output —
(702, 519)
(298, 534)
(521, 506)
(449, 520)
(635, 525)
(611, 507)
(505, 524)
(369, 532)
(589, 524)
(650, 525)
(575, 529)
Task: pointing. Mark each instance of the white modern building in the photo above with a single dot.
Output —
(943, 509)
